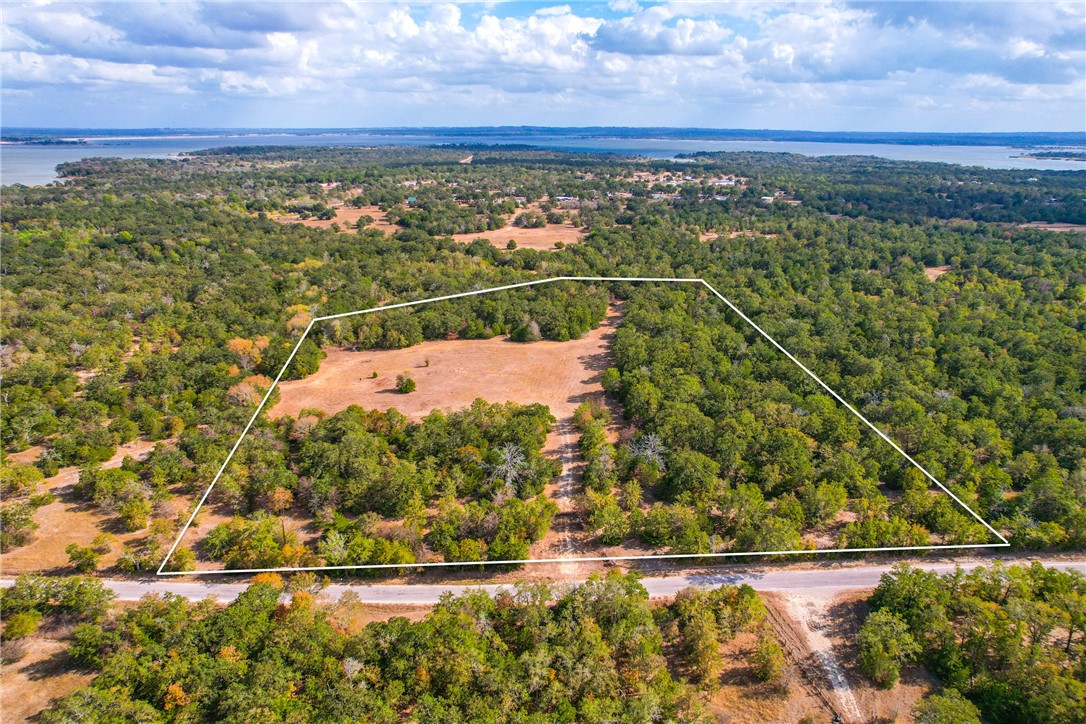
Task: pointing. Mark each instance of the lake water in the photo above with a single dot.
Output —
(32, 165)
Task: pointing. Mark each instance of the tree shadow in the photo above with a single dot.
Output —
(722, 579)
(57, 663)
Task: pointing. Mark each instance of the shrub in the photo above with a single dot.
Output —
(135, 513)
(183, 559)
(85, 560)
(22, 624)
(404, 383)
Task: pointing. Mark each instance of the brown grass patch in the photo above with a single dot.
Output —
(1080, 228)
(45, 674)
(743, 699)
(70, 519)
(25, 457)
(346, 218)
(559, 374)
(541, 239)
(352, 616)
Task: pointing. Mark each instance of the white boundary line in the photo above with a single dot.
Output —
(667, 556)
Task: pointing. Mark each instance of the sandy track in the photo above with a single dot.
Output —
(560, 541)
(801, 620)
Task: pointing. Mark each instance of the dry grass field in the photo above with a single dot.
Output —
(1080, 228)
(561, 375)
(541, 239)
(346, 218)
(43, 675)
(742, 699)
(69, 519)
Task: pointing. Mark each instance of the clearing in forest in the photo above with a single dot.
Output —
(346, 219)
(451, 374)
(472, 451)
(544, 238)
(934, 272)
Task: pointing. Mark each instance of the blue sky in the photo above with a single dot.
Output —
(891, 66)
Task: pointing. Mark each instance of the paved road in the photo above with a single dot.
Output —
(825, 579)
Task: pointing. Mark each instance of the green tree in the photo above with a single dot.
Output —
(885, 645)
(768, 659)
(607, 519)
(949, 707)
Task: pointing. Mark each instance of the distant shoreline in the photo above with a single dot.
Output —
(1023, 140)
(1056, 156)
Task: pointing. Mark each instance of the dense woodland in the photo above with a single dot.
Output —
(597, 653)
(1010, 639)
(157, 300)
(353, 468)
(1007, 642)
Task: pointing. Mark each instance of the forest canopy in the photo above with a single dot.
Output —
(155, 300)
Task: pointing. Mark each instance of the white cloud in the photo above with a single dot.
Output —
(722, 63)
(554, 10)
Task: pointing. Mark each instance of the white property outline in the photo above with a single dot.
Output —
(669, 556)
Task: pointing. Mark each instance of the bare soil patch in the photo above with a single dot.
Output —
(934, 272)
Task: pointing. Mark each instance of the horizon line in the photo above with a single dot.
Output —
(6, 128)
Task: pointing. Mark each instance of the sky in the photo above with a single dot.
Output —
(829, 66)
